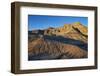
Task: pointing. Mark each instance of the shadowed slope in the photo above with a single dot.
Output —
(50, 49)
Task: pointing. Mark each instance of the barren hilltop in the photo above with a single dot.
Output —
(66, 42)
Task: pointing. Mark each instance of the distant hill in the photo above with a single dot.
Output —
(66, 42)
(74, 31)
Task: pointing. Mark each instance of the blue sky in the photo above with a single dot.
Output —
(45, 21)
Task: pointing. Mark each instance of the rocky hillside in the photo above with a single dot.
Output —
(66, 42)
(74, 31)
